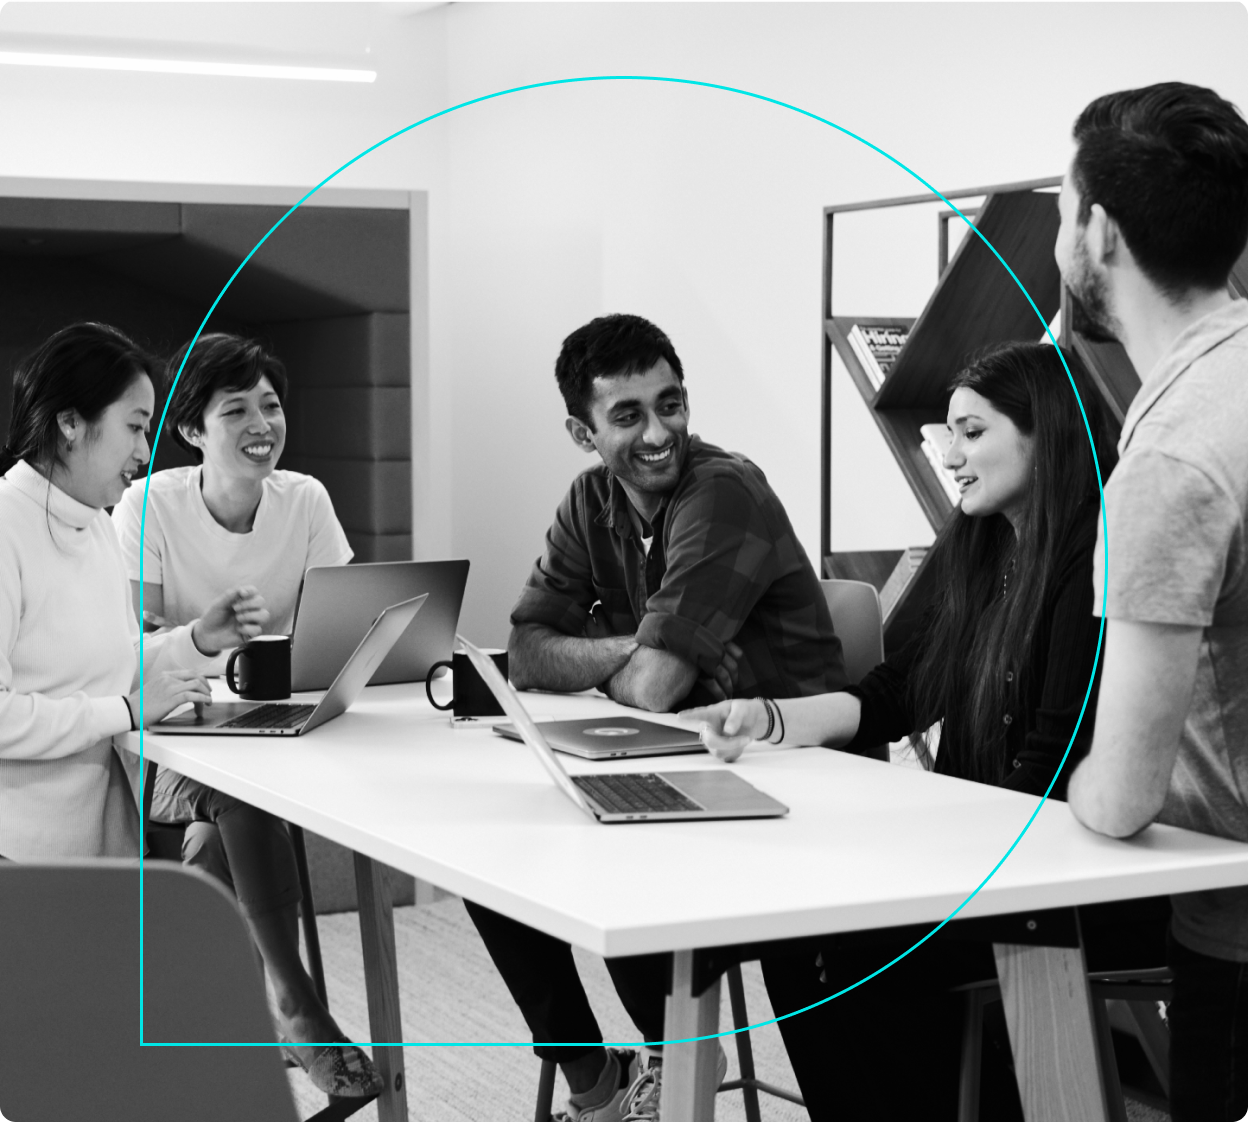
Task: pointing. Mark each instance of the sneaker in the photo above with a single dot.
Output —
(642, 1102)
(613, 1109)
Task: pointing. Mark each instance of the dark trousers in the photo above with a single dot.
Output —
(247, 849)
(890, 1048)
(540, 973)
(1208, 1037)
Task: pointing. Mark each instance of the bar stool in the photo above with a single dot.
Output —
(1140, 990)
(164, 843)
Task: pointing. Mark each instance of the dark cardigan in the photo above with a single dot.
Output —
(1061, 664)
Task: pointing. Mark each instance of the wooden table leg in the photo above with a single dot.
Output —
(381, 979)
(1048, 1010)
(689, 1069)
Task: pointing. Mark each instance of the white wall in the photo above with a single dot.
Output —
(697, 208)
(702, 210)
(177, 128)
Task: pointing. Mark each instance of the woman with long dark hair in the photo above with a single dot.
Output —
(990, 689)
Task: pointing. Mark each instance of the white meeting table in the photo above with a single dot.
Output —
(866, 845)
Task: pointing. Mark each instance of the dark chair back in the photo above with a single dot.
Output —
(69, 999)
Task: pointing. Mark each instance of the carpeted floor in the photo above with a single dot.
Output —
(450, 992)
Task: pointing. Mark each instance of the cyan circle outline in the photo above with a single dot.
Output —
(568, 82)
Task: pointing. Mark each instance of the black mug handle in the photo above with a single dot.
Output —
(229, 667)
(429, 684)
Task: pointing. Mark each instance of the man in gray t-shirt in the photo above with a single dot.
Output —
(1154, 215)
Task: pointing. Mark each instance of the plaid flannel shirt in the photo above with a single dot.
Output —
(724, 565)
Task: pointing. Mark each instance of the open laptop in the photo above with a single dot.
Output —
(291, 718)
(632, 796)
(612, 738)
(338, 604)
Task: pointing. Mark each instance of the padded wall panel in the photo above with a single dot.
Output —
(370, 497)
(74, 227)
(380, 547)
(350, 421)
(356, 255)
(357, 422)
(321, 261)
(38, 295)
(364, 350)
(332, 869)
(329, 291)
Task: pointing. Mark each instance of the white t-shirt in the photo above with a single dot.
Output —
(194, 558)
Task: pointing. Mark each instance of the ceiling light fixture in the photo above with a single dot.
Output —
(184, 66)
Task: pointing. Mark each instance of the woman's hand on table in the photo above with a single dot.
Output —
(165, 692)
(230, 620)
(729, 726)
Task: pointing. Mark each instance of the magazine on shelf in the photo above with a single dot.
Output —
(907, 565)
(936, 442)
(877, 347)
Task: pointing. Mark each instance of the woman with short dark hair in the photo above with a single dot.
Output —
(234, 514)
(232, 517)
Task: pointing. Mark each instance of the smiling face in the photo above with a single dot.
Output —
(244, 432)
(103, 457)
(641, 431)
(991, 459)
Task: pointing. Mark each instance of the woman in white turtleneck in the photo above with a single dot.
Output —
(82, 404)
(68, 659)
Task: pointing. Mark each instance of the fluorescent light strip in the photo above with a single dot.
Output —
(181, 66)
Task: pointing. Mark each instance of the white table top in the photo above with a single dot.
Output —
(866, 844)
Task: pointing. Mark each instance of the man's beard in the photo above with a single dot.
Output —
(1089, 301)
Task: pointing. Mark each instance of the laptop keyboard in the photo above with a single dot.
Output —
(640, 793)
(272, 717)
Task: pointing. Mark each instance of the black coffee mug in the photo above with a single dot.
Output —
(473, 698)
(263, 668)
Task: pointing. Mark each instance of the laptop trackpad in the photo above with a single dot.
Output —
(724, 790)
(215, 714)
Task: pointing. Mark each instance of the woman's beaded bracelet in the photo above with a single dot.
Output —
(780, 722)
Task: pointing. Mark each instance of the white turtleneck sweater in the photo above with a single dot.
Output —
(68, 654)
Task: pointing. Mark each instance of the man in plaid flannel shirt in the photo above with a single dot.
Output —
(671, 572)
(671, 576)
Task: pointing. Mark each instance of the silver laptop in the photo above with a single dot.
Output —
(632, 796)
(291, 718)
(612, 738)
(338, 604)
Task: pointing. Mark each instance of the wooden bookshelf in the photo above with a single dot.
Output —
(974, 304)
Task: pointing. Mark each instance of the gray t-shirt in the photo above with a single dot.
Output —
(1177, 508)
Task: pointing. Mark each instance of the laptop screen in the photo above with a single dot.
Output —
(513, 707)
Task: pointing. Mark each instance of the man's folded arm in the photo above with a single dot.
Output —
(652, 679)
(540, 657)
